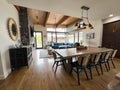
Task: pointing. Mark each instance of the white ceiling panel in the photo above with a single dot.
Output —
(99, 9)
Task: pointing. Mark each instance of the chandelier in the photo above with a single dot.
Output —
(84, 22)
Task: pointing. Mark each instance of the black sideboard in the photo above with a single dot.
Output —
(20, 57)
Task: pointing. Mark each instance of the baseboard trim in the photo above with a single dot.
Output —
(5, 75)
(2, 77)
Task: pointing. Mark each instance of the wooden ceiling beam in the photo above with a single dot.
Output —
(77, 20)
(62, 20)
(46, 18)
(17, 7)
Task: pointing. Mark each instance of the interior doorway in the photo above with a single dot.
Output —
(39, 39)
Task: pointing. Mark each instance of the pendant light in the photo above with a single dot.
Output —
(82, 24)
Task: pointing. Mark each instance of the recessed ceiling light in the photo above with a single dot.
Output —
(110, 15)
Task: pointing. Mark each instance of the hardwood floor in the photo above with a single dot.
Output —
(40, 76)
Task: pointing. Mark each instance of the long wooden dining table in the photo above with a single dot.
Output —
(69, 53)
(73, 52)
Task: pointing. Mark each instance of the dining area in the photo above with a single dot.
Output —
(89, 60)
(41, 76)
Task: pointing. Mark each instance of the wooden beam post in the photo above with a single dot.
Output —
(77, 20)
(46, 18)
(17, 7)
(62, 20)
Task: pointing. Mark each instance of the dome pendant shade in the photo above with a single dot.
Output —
(84, 25)
(90, 26)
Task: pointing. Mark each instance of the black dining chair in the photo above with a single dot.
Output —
(58, 60)
(112, 55)
(80, 65)
(93, 62)
(103, 60)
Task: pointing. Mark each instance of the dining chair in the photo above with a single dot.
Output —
(112, 55)
(93, 62)
(58, 60)
(103, 60)
(80, 65)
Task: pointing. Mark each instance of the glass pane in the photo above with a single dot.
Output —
(39, 39)
(81, 38)
(56, 29)
(76, 37)
(70, 38)
(49, 39)
(51, 29)
(60, 37)
(60, 29)
(54, 37)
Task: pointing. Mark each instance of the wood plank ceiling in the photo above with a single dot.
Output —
(50, 18)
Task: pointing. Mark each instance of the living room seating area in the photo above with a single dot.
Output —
(58, 45)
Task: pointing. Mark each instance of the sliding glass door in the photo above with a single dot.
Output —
(39, 40)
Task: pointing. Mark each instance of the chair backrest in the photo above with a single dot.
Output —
(76, 44)
(92, 58)
(54, 55)
(83, 60)
(103, 55)
(107, 55)
(95, 57)
(114, 53)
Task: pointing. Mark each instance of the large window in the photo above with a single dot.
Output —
(60, 35)
(75, 37)
(56, 34)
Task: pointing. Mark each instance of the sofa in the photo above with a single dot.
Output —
(57, 45)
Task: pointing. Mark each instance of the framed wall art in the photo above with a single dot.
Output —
(12, 29)
(90, 35)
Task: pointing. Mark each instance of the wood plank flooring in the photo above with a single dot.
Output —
(40, 76)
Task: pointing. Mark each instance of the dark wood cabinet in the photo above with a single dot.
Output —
(20, 57)
(111, 36)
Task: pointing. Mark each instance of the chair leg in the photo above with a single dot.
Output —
(101, 68)
(113, 63)
(90, 69)
(86, 73)
(97, 69)
(78, 76)
(64, 65)
(56, 66)
(106, 67)
(71, 69)
(53, 64)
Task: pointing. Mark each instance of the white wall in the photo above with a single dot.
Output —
(1, 68)
(44, 32)
(98, 28)
(7, 11)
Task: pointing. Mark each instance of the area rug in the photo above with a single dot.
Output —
(44, 53)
